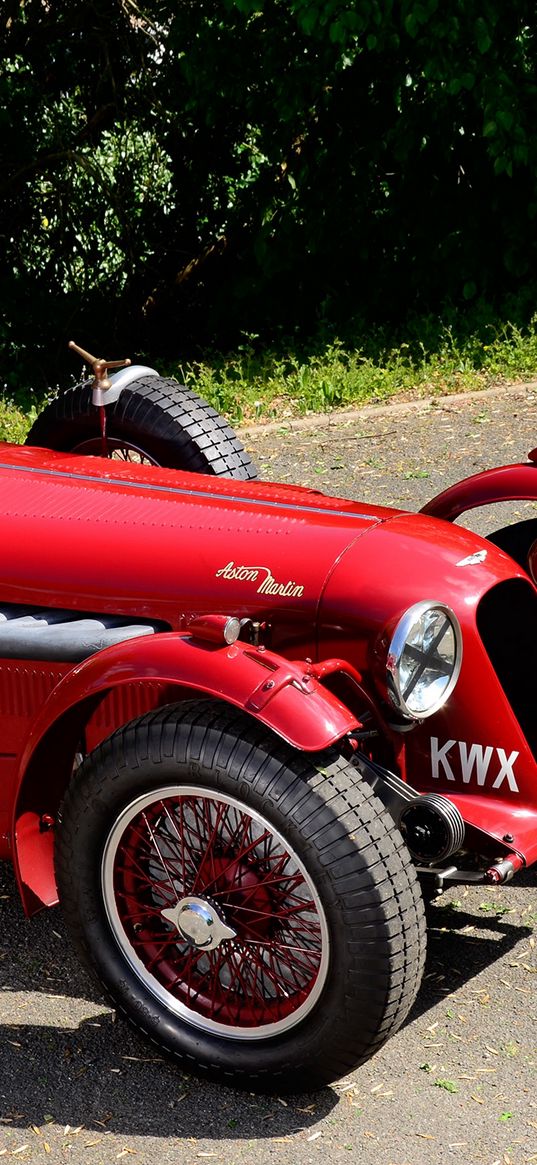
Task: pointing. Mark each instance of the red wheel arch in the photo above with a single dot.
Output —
(282, 694)
(505, 483)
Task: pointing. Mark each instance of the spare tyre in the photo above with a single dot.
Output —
(154, 420)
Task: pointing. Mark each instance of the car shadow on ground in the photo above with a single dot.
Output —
(64, 1057)
(461, 943)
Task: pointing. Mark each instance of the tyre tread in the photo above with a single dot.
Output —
(323, 800)
(183, 429)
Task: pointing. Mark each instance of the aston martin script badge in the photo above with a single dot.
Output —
(262, 575)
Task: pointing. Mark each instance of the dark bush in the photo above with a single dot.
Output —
(174, 174)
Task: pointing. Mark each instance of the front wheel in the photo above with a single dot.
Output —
(154, 420)
(251, 909)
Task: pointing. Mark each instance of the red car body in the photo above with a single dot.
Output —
(317, 584)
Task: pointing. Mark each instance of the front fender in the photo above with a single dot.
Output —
(283, 695)
(504, 484)
(121, 379)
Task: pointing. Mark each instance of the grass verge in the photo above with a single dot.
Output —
(250, 385)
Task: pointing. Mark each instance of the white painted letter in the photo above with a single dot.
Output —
(439, 757)
(475, 755)
(506, 770)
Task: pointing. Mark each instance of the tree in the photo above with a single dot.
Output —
(173, 174)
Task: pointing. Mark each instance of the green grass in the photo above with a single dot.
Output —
(14, 422)
(252, 385)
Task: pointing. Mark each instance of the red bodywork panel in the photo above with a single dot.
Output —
(324, 577)
(276, 691)
(146, 541)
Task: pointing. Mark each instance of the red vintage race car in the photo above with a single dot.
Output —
(246, 726)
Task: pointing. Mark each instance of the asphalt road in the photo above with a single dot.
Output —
(457, 1084)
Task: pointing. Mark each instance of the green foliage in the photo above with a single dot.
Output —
(14, 423)
(447, 1085)
(291, 380)
(174, 175)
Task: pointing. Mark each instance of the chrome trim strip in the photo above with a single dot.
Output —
(191, 493)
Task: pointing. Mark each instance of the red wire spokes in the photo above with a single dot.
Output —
(215, 850)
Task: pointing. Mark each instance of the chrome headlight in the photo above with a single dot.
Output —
(424, 659)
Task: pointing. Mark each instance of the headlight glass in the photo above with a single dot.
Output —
(424, 659)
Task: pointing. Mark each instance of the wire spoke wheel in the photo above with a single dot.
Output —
(215, 912)
(116, 450)
(250, 908)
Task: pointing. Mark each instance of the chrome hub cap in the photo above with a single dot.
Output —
(198, 923)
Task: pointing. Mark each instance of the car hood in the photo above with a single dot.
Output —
(407, 559)
(102, 535)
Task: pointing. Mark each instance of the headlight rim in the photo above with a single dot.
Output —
(396, 647)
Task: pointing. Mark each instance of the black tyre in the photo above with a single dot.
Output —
(153, 420)
(250, 908)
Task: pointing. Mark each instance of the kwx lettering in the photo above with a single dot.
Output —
(473, 762)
